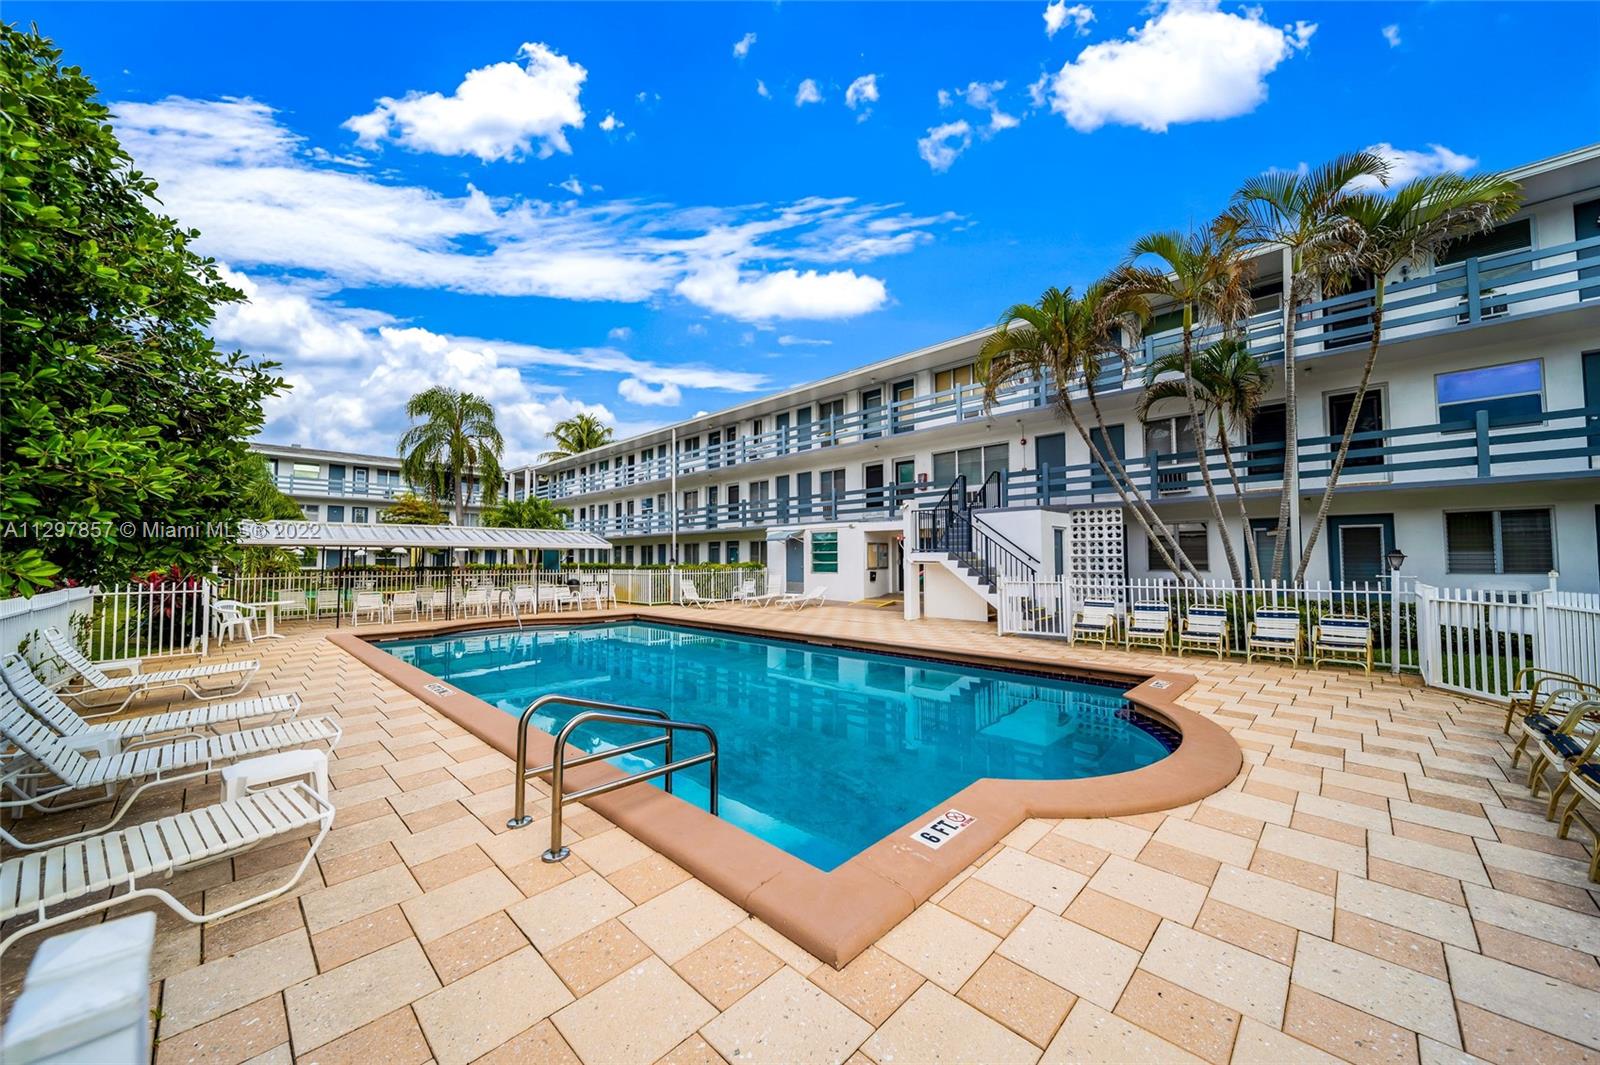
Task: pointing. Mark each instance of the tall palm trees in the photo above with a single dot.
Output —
(1203, 275)
(1230, 384)
(577, 434)
(1068, 339)
(1383, 232)
(454, 439)
(1302, 213)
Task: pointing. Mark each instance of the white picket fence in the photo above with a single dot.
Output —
(1477, 640)
(141, 621)
(1046, 608)
(1469, 640)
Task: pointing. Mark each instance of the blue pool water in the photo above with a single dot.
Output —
(824, 751)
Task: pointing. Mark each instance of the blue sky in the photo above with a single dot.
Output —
(651, 210)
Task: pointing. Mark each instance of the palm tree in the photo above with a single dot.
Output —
(577, 434)
(527, 514)
(1302, 213)
(1230, 383)
(1066, 338)
(455, 439)
(1384, 232)
(1203, 274)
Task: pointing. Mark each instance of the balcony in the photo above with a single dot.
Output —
(349, 488)
(1557, 444)
(1464, 295)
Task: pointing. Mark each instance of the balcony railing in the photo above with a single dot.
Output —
(1458, 296)
(344, 487)
(1555, 444)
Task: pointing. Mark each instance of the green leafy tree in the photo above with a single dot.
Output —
(577, 434)
(527, 514)
(115, 404)
(412, 509)
(1385, 230)
(453, 441)
(1230, 384)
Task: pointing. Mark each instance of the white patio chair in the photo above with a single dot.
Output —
(1096, 620)
(405, 602)
(1342, 638)
(132, 679)
(327, 602)
(49, 759)
(292, 603)
(554, 597)
(1205, 627)
(524, 597)
(87, 868)
(1150, 624)
(745, 592)
(438, 602)
(475, 599)
(369, 605)
(45, 705)
(234, 617)
(1276, 632)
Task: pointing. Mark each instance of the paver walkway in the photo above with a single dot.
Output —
(1375, 887)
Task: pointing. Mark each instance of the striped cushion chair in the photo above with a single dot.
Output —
(1096, 620)
(1276, 632)
(1549, 716)
(1342, 638)
(1148, 623)
(1205, 627)
(1532, 685)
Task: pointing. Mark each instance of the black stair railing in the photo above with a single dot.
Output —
(950, 527)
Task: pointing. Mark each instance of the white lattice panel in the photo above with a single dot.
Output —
(1097, 556)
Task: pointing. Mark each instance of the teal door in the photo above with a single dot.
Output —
(1585, 225)
(1099, 482)
(794, 562)
(1591, 399)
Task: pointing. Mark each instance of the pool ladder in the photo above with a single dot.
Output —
(612, 713)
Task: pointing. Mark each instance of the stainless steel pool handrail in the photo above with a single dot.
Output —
(601, 712)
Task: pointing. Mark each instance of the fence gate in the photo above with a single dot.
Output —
(1476, 640)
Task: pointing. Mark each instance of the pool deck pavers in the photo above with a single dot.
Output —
(1374, 887)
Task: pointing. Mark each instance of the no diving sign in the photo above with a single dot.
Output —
(941, 830)
(438, 689)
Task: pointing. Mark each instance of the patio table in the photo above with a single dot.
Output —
(269, 615)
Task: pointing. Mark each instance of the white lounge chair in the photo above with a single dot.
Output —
(799, 601)
(87, 868)
(1205, 627)
(1096, 620)
(1149, 623)
(43, 757)
(135, 682)
(1342, 638)
(689, 595)
(1276, 632)
(48, 707)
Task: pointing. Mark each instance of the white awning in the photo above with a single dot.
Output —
(378, 537)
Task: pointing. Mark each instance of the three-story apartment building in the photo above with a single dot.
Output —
(1478, 454)
(339, 487)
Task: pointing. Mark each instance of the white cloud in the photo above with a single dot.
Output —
(696, 329)
(1407, 164)
(789, 341)
(572, 185)
(781, 294)
(982, 95)
(619, 334)
(943, 144)
(1058, 14)
(1391, 33)
(1190, 62)
(1037, 90)
(741, 47)
(636, 391)
(808, 93)
(611, 122)
(762, 90)
(245, 180)
(500, 111)
(862, 91)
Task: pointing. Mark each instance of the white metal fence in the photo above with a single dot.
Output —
(1470, 640)
(1047, 608)
(148, 621)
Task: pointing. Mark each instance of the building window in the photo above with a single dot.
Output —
(1370, 420)
(758, 551)
(824, 552)
(1501, 240)
(691, 554)
(358, 515)
(1512, 393)
(306, 471)
(1499, 541)
(956, 376)
(1192, 541)
(335, 513)
(311, 511)
(647, 555)
(975, 463)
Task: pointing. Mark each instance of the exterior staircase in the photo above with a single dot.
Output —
(969, 547)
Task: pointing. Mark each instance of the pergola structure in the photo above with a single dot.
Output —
(379, 537)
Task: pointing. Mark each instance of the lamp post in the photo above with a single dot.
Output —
(1395, 558)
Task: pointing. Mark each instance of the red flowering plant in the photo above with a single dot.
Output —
(169, 606)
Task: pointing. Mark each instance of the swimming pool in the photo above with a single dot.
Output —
(824, 750)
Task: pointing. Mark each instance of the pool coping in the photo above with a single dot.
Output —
(838, 914)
